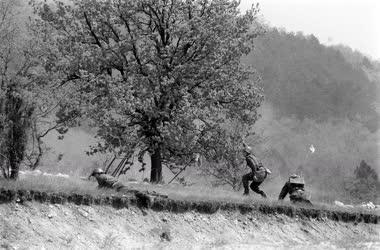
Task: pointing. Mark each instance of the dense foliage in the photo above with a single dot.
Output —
(15, 113)
(27, 97)
(162, 77)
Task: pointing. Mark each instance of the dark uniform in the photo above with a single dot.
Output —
(108, 181)
(295, 187)
(257, 175)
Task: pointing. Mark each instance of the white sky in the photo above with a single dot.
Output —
(355, 23)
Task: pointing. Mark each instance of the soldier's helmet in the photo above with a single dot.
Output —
(97, 171)
(247, 149)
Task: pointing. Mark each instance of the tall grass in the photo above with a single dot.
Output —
(54, 184)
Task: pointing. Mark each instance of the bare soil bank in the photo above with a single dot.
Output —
(146, 201)
(39, 220)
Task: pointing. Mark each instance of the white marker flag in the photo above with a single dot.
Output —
(312, 148)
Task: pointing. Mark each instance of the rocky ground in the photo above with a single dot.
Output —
(34, 225)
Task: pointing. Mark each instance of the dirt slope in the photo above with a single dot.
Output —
(34, 225)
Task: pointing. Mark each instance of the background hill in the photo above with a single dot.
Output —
(304, 78)
(321, 96)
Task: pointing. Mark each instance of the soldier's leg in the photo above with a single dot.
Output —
(307, 202)
(300, 200)
(246, 178)
(255, 188)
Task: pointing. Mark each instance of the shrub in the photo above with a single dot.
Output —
(365, 185)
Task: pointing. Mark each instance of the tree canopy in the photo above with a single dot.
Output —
(162, 77)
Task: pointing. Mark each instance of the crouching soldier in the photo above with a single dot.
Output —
(295, 187)
(257, 175)
(107, 181)
(145, 199)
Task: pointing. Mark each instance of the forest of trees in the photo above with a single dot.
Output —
(304, 78)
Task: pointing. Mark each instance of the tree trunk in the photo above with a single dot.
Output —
(14, 170)
(14, 156)
(19, 120)
(156, 167)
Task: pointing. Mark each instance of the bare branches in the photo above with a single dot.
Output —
(88, 22)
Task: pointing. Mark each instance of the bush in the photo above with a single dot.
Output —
(365, 185)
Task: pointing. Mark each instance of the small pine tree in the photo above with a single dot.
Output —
(365, 172)
(365, 185)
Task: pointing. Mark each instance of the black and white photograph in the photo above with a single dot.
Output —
(189, 124)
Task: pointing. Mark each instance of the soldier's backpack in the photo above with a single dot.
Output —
(260, 174)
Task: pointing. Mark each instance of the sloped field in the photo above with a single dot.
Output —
(36, 225)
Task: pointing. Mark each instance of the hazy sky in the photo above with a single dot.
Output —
(355, 23)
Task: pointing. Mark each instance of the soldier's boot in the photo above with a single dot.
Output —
(262, 194)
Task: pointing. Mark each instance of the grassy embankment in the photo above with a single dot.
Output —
(180, 199)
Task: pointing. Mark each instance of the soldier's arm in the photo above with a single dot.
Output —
(250, 163)
(284, 191)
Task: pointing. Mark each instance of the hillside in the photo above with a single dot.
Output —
(304, 78)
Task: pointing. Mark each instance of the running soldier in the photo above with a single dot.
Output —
(257, 175)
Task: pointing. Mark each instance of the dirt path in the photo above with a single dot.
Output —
(42, 226)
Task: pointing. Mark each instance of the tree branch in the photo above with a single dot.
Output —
(97, 41)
